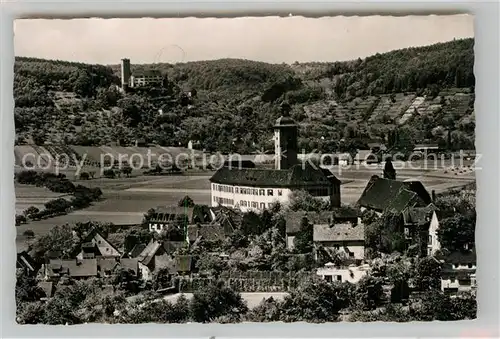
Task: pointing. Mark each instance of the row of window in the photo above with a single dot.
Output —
(329, 278)
(158, 227)
(224, 201)
(243, 203)
(244, 190)
(254, 204)
(456, 266)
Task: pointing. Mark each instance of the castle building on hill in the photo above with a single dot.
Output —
(140, 78)
(253, 188)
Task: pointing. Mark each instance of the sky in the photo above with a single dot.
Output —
(269, 39)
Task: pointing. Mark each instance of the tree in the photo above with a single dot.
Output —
(68, 301)
(389, 171)
(127, 170)
(30, 313)
(126, 280)
(59, 238)
(162, 278)
(268, 310)
(84, 176)
(214, 301)
(83, 85)
(134, 236)
(303, 201)
(457, 233)
(58, 205)
(211, 264)
(30, 211)
(314, 301)
(303, 242)
(369, 293)
(251, 224)
(186, 202)
(20, 219)
(427, 274)
(82, 229)
(109, 173)
(368, 217)
(29, 233)
(27, 288)
(435, 305)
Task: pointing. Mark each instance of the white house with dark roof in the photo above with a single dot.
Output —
(423, 219)
(458, 272)
(352, 274)
(165, 216)
(95, 245)
(258, 188)
(345, 238)
(293, 222)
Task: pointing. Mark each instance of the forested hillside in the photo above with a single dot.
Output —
(404, 97)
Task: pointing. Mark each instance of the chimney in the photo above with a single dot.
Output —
(433, 195)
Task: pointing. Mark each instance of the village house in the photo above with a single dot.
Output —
(212, 232)
(352, 274)
(154, 256)
(157, 255)
(458, 272)
(95, 245)
(347, 239)
(164, 216)
(385, 195)
(411, 205)
(226, 217)
(294, 221)
(73, 268)
(423, 222)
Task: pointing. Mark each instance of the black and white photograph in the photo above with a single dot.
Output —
(245, 170)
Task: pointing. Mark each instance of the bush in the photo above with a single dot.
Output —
(109, 173)
(29, 233)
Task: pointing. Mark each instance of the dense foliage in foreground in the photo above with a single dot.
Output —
(256, 246)
(235, 102)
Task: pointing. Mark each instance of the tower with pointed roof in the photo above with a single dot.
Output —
(285, 139)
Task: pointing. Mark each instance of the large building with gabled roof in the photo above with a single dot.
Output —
(258, 188)
(385, 195)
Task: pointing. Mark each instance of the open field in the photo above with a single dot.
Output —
(27, 196)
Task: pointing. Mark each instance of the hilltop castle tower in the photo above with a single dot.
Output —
(285, 139)
(125, 73)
